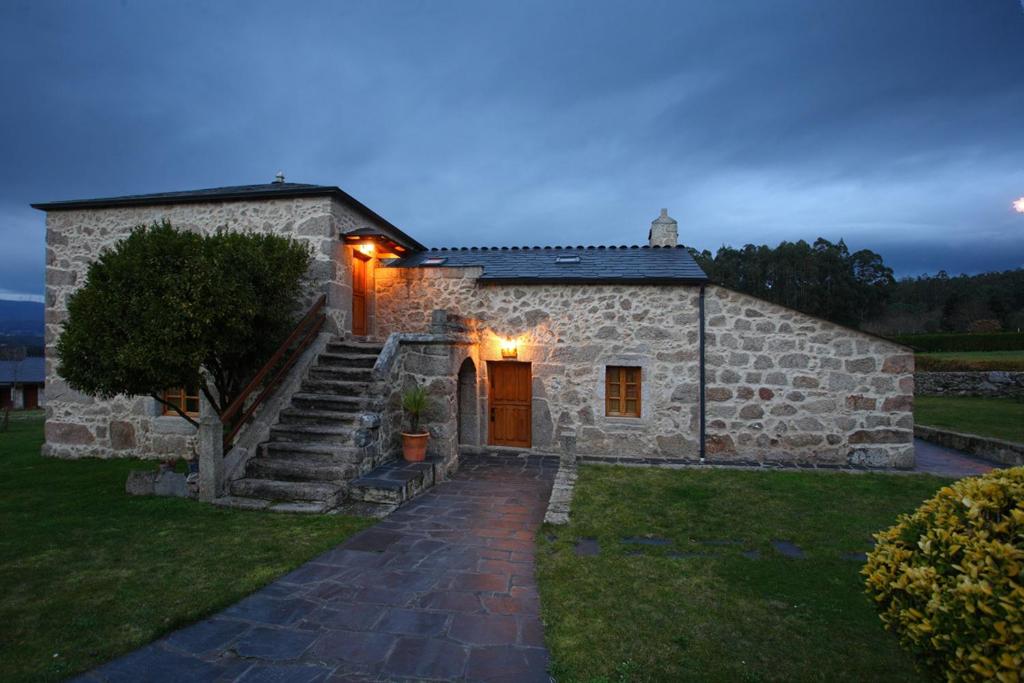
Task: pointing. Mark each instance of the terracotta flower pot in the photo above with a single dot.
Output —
(414, 446)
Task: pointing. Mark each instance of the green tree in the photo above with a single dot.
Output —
(167, 308)
(822, 279)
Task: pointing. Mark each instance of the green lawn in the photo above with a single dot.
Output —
(1002, 418)
(952, 361)
(721, 616)
(87, 572)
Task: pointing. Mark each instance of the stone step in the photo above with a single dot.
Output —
(342, 372)
(315, 385)
(395, 482)
(306, 507)
(310, 433)
(335, 402)
(352, 360)
(329, 454)
(351, 346)
(289, 491)
(349, 416)
(299, 469)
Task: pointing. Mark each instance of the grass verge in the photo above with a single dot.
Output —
(88, 573)
(717, 615)
(1000, 418)
(970, 361)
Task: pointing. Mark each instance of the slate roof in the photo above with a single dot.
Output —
(597, 264)
(30, 370)
(232, 193)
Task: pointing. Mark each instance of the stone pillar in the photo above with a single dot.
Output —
(211, 451)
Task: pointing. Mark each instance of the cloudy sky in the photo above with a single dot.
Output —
(895, 124)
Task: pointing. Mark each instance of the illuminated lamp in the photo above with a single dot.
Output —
(509, 348)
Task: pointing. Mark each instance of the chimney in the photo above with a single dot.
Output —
(279, 178)
(664, 231)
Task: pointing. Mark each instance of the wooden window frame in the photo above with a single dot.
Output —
(180, 397)
(615, 400)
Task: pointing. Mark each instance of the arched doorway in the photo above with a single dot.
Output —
(468, 422)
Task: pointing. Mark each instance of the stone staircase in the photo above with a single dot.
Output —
(325, 439)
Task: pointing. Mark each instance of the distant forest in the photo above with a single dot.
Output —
(857, 289)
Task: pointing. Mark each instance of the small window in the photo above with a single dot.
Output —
(186, 399)
(622, 391)
(567, 259)
(435, 260)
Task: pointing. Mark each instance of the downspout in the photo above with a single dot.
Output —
(703, 418)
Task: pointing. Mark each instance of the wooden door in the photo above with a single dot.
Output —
(509, 402)
(359, 286)
(5, 397)
(30, 397)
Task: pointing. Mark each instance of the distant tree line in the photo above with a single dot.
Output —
(823, 279)
(857, 289)
(989, 302)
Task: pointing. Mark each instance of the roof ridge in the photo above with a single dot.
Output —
(567, 247)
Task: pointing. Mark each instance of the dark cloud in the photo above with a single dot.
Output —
(895, 125)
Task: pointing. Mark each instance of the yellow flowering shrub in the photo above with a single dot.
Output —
(947, 578)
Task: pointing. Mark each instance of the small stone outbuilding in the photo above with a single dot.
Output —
(619, 352)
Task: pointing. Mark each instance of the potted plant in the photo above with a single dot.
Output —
(414, 442)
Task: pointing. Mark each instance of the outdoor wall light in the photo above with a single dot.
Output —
(509, 348)
(366, 248)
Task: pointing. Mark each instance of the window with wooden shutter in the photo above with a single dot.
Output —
(622, 391)
(186, 399)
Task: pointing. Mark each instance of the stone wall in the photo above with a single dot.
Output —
(993, 384)
(80, 426)
(782, 386)
(786, 387)
(433, 361)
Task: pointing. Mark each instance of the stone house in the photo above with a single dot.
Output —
(614, 352)
(21, 383)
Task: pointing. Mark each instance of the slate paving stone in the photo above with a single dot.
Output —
(359, 647)
(451, 601)
(752, 554)
(855, 557)
(206, 636)
(371, 540)
(788, 549)
(352, 616)
(686, 554)
(413, 622)
(587, 547)
(274, 644)
(286, 673)
(646, 540)
(156, 665)
(280, 612)
(442, 589)
(484, 629)
(426, 658)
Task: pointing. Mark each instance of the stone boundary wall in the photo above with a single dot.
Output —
(431, 360)
(781, 386)
(785, 386)
(993, 450)
(81, 426)
(992, 384)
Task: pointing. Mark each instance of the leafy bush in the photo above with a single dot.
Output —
(947, 578)
(982, 341)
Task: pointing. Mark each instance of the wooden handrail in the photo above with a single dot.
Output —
(305, 332)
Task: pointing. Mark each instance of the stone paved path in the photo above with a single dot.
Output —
(442, 589)
(947, 462)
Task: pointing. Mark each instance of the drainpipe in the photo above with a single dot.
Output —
(702, 406)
